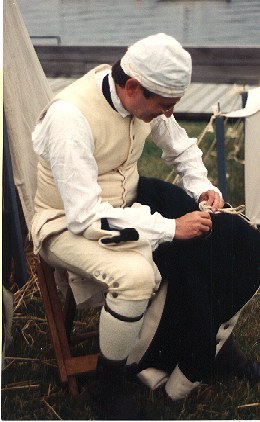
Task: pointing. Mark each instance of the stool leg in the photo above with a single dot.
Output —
(56, 324)
(69, 311)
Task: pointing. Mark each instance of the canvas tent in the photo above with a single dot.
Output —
(25, 93)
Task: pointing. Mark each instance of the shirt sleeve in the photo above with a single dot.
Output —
(182, 154)
(64, 139)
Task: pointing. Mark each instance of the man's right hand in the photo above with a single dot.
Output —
(193, 224)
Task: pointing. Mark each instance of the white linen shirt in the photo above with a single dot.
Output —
(64, 139)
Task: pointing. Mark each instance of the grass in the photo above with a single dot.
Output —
(30, 384)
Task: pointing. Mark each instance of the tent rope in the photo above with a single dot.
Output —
(236, 132)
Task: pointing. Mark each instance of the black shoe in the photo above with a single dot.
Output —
(110, 395)
(231, 361)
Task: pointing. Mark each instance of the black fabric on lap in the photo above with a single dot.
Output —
(209, 280)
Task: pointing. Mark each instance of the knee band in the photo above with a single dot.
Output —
(126, 310)
(122, 317)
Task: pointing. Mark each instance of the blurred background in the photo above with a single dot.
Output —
(121, 22)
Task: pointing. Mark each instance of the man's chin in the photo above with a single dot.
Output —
(147, 119)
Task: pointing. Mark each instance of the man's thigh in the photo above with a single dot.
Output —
(127, 274)
(169, 200)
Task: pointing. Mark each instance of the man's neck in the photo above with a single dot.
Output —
(121, 95)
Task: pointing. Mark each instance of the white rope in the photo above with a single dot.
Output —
(208, 129)
(235, 132)
(230, 210)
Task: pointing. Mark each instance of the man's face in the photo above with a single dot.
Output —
(147, 109)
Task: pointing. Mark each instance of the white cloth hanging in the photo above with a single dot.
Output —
(26, 92)
(251, 113)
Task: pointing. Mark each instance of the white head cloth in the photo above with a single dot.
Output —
(160, 64)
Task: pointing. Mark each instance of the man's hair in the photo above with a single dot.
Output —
(120, 79)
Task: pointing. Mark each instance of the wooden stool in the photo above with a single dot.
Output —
(60, 323)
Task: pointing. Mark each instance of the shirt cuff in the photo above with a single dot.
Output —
(168, 230)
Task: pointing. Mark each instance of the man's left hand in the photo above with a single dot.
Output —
(213, 199)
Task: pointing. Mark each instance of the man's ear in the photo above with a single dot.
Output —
(132, 86)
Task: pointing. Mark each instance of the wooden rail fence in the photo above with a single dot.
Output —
(234, 65)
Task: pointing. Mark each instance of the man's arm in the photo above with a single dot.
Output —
(65, 141)
(182, 154)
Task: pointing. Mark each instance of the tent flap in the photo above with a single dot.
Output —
(26, 92)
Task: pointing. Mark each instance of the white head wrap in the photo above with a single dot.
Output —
(160, 64)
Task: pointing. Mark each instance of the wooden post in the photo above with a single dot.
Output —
(244, 96)
(221, 156)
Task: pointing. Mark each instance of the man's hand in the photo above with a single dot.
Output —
(213, 199)
(193, 224)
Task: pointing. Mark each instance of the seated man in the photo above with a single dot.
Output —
(88, 216)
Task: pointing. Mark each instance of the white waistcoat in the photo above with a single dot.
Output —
(118, 144)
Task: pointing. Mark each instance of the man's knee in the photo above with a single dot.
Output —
(137, 282)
